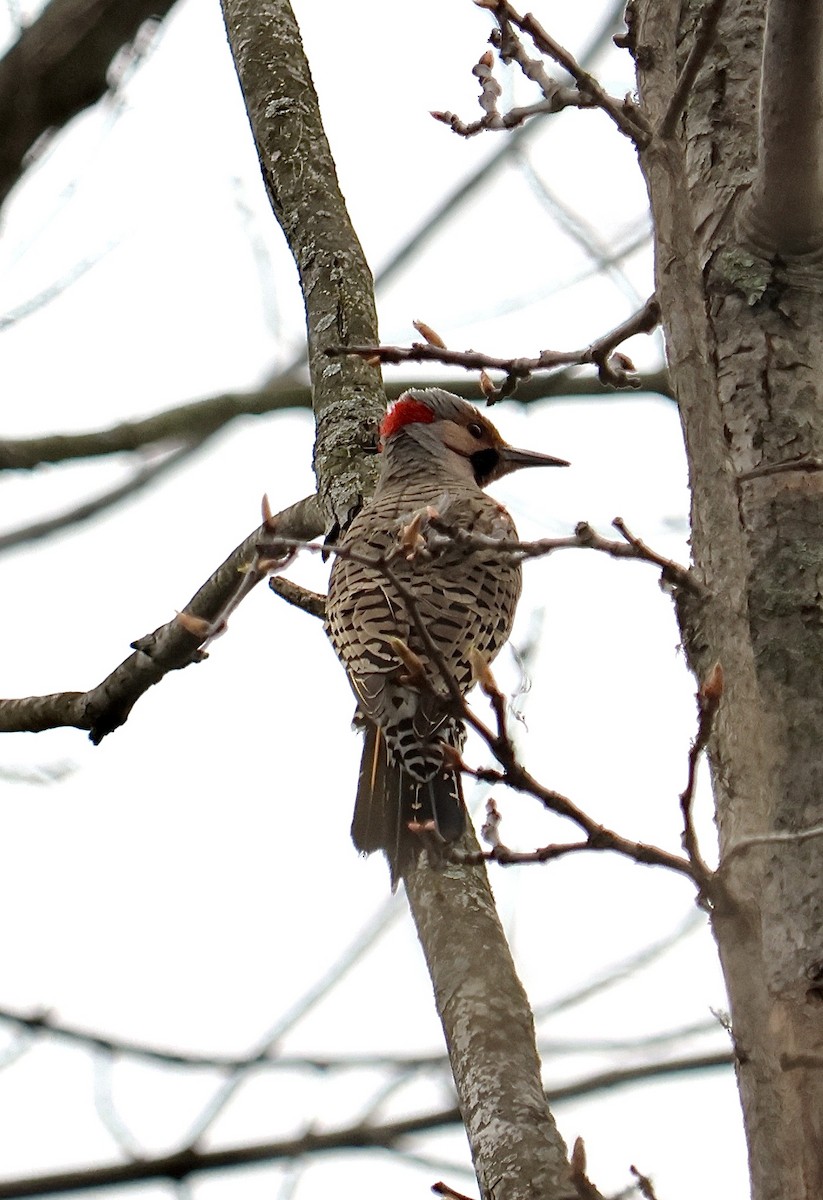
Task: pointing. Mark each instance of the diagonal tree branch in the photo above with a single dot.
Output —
(58, 67)
(627, 117)
(302, 184)
(176, 644)
(301, 181)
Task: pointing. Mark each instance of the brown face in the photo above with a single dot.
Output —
(479, 442)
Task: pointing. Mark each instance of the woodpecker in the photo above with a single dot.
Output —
(438, 453)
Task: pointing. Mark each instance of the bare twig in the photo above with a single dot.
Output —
(673, 573)
(556, 96)
(185, 422)
(616, 973)
(56, 288)
(584, 538)
(627, 116)
(351, 955)
(202, 418)
(584, 1187)
(106, 1109)
(507, 858)
(644, 1184)
(613, 369)
(444, 1189)
(598, 837)
(43, 1023)
(313, 603)
(176, 644)
(512, 50)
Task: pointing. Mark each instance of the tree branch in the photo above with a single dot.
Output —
(387, 1135)
(301, 180)
(58, 67)
(41, 1022)
(201, 419)
(613, 369)
(302, 184)
(176, 644)
(626, 116)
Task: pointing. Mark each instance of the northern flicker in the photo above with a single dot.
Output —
(438, 452)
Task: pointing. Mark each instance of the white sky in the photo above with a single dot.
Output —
(192, 877)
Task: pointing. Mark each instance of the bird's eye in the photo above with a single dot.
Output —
(475, 429)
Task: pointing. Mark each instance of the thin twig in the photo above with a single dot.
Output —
(644, 1184)
(204, 417)
(350, 956)
(174, 645)
(613, 368)
(45, 1024)
(106, 1109)
(444, 1189)
(556, 96)
(616, 973)
(584, 538)
(627, 116)
(584, 1187)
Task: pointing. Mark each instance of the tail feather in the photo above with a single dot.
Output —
(389, 800)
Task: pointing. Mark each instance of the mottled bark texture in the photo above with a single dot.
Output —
(745, 346)
(301, 181)
(517, 1151)
(57, 67)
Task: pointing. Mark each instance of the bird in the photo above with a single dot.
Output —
(437, 455)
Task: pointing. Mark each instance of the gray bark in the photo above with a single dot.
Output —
(301, 180)
(745, 357)
(485, 1014)
(516, 1148)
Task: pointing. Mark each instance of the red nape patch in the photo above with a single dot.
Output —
(405, 411)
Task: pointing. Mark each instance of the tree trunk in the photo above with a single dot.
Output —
(743, 332)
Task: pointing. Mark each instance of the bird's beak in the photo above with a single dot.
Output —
(512, 459)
